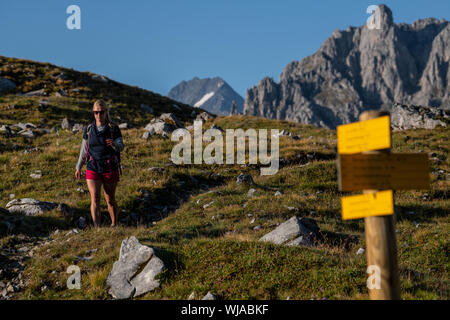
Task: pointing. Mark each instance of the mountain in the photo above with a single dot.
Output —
(212, 94)
(359, 69)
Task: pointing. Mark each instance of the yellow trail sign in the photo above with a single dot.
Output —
(367, 205)
(363, 136)
(397, 171)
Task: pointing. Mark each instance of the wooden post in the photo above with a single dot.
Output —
(381, 241)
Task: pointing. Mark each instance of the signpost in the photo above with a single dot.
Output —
(365, 163)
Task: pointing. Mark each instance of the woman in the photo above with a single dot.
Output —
(101, 147)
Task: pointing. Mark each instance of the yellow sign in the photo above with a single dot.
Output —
(363, 136)
(397, 171)
(366, 205)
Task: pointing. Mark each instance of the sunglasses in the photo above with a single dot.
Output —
(99, 112)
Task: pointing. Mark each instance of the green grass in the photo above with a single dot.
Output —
(215, 249)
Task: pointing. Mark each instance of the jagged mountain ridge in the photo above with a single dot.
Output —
(360, 69)
(211, 94)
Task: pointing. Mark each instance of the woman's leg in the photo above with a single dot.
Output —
(95, 187)
(110, 197)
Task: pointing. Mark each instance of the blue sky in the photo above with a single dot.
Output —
(157, 44)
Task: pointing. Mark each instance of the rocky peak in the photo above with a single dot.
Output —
(358, 69)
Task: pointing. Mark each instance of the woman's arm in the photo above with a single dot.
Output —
(83, 155)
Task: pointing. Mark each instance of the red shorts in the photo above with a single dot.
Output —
(107, 177)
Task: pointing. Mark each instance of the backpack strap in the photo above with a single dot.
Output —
(112, 127)
(88, 131)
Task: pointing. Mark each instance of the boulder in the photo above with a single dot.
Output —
(29, 206)
(132, 255)
(6, 85)
(170, 118)
(300, 231)
(145, 281)
(159, 127)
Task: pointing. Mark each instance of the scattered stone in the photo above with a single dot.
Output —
(253, 221)
(29, 207)
(192, 296)
(156, 169)
(35, 93)
(256, 228)
(305, 230)
(81, 190)
(170, 118)
(65, 209)
(27, 133)
(124, 125)
(244, 178)
(209, 296)
(360, 251)
(159, 127)
(132, 256)
(204, 116)
(278, 193)
(66, 124)
(36, 175)
(251, 192)
(77, 127)
(208, 205)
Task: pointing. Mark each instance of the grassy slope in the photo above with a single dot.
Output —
(216, 249)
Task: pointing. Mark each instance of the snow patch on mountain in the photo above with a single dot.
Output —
(205, 98)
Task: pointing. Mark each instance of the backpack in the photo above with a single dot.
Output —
(117, 153)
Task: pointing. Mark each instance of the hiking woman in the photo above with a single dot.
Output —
(100, 148)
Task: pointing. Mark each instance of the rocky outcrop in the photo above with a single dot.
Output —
(404, 117)
(211, 94)
(360, 69)
(29, 206)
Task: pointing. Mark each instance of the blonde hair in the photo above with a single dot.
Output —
(102, 104)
